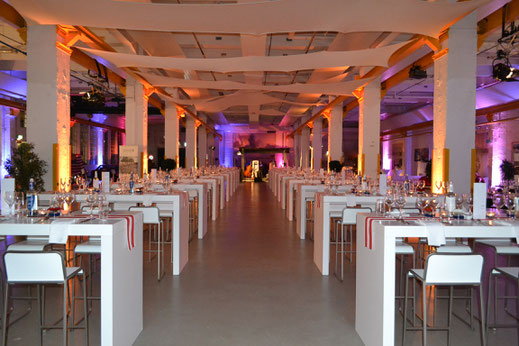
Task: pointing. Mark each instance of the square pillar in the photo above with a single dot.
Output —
(297, 149)
(335, 134)
(317, 143)
(305, 145)
(455, 106)
(190, 142)
(137, 120)
(202, 144)
(369, 129)
(48, 101)
(172, 132)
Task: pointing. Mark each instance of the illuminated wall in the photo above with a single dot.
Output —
(7, 121)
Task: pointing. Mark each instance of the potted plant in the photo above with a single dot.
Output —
(507, 171)
(23, 165)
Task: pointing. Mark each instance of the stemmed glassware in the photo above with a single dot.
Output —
(459, 200)
(509, 202)
(70, 197)
(499, 200)
(400, 201)
(389, 201)
(421, 203)
(9, 197)
(19, 203)
(91, 198)
(433, 202)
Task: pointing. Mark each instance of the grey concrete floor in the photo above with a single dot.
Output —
(250, 281)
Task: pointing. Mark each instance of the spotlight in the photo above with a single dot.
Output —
(150, 157)
(415, 72)
(505, 72)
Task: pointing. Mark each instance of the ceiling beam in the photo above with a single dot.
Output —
(99, 43)
(96, 124)
(13, 104)
(11, 16)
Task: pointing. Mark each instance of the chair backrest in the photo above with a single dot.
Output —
(151, 215)
(349, 215)
(123, 206)
(33, 267)
(453, 269)
(165, 206)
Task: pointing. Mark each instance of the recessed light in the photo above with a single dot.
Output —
(218, 38)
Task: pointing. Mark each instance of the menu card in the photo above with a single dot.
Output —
(480, 201)
(382, 183)
(6, 185)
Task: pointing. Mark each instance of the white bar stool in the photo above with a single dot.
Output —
(151, 216)
(511, 273)
(41, 268)
(446, 270)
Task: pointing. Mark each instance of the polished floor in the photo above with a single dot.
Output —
(250, 281)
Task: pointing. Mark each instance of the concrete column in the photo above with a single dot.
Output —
(108, 147)
(171, 132)
(137, 120)
(190, 142)
(317, 142)
(48, 101)
(408, 155)
(369, 130)
(335, 134)
(202, 144)
(297, 149)
(305, 145)
(211, 152)
(454, 106)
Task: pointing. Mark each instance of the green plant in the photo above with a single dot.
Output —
(507, 170)
(23, 165)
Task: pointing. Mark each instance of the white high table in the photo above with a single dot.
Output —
(121, 272)
(215, 193)
(201, 192)
(307, 191)
(179, 204)
(324, 204)
(375, 297)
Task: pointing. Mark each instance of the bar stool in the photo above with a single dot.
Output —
(151, 216)
(511, 273)
(42, 268)
(348, 218)
(166, 213)
(446, 270)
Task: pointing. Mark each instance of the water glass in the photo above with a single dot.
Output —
(9, 197)
(380, 207)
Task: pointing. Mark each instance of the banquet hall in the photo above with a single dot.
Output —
(245, 172)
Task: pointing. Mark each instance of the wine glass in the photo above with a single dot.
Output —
(90, 198)
(9, 197)
(101, 202)
(459, 200)
(400, 201)
(438, 185)
(70, 197)
(420, 203)
(499, 200)
(389, 201)
(433, 202)
(509, 202)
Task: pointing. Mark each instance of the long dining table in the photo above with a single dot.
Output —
(324, 205)
(375, 273)
(121, 269)
(178, 203)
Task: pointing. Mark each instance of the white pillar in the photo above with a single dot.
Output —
(48, 100)
(171, 132)
(369, 129)
(137, 120)
(210, 148)
(297, 149)
(317, 142)
(454, 106)
(202, 143)
(305, 145)
(190, 142)
(335, 134)
(409, 155)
